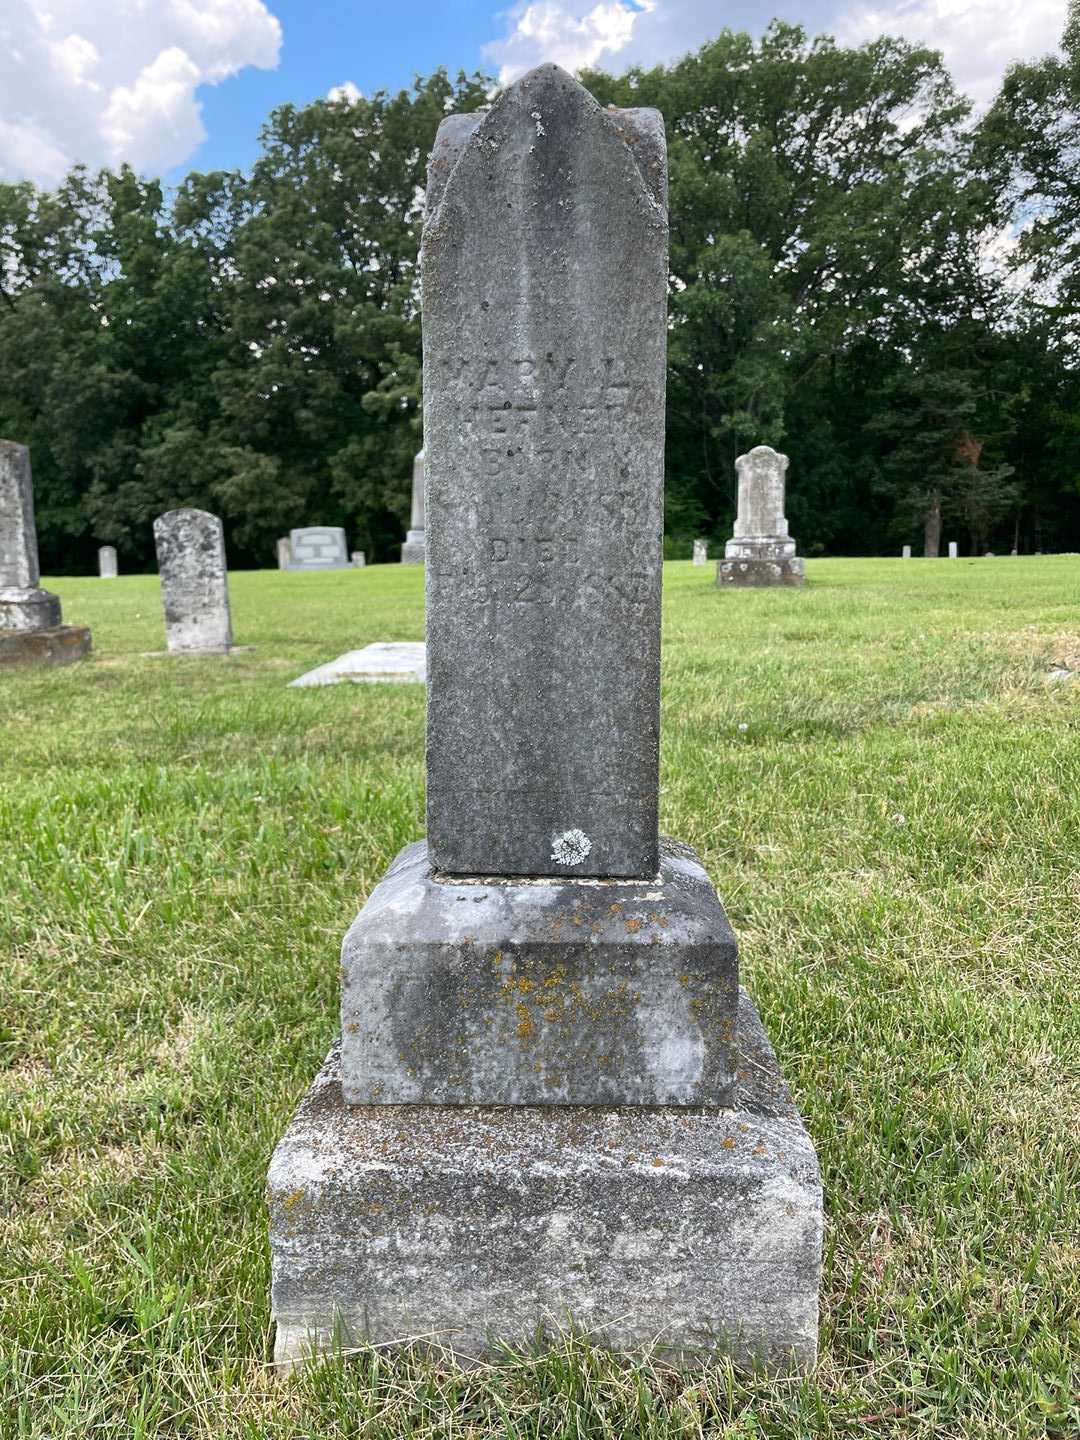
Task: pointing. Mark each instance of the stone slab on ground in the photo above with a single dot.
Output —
(698, 1230)
(57, 645)
(393, 661)
(552, 991)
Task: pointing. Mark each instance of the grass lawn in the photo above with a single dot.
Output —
(885, 788)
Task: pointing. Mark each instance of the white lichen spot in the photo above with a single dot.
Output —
(570, 848)
(536, 115)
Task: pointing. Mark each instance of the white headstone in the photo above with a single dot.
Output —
(701, 552)
(359, 559)
(906, 552)
(761, 552)
(107, 568)
(194, 581)
(318, 547)
(953, 550)
(283, 550)
(415, 548)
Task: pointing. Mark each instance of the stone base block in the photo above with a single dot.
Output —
(28, 609)
(413, 554)
(389, 661)
(57, 645)
(496, 991)
(694, 1230)
(761, 572)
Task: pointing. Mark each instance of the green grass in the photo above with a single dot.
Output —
(886, 790)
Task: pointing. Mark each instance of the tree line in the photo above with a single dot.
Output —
(863, 274)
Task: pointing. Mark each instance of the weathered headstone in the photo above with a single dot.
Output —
(359, 559)
(30, 619)
(194, 581)
(283, 551)
(543, 955)
(414, 551)
(318, 547)
(107, 568)
(701, 552)
(954, 550)
(906, 552)
(761, 552)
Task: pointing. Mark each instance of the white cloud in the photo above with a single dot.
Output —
(109, 81)
(347, 93)
(979, 38)
(549, 31)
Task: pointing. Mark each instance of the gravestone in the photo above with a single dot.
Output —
(953, 550)
(30, 620)
(194, 582)
(761, 552)
(701, 552)
(359, 559)
(283, 550)
(384, 662)
(107, 568)
(413, 552)
(906, 552)
(457, 1169)
(318, 547)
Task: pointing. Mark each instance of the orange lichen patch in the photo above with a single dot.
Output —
(657, 1162)
(616, 909)
(525, 1026)
(728, 1143)
(634, 926)
(660, 920)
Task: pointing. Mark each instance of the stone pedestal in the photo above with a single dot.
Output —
(495, 991)
(462, 1226)
(56, 645)
(758, 570)
(414, 551)
(28, 608)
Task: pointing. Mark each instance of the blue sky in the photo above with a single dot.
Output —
(173, 85)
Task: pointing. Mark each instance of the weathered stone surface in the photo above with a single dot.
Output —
(18, 536)
(700, 1229)
(318, 547)
(400, 661)
(359, 559)
(905, 553)
(545, 282)
(701, 552)
(954, 550)
(107, 567)
(283, 551)
(24, 606)
(194, 581)
(539, 992)
(56, 645)
(414, 551)
(761, 552)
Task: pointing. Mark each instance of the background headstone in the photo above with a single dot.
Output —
(954, 550)
(283, 550)
(701, 552)
(359, 559)
(761, 552)
(414, 551)
(318, 547)
(905, 553)
(194, 581)
(30, 628)
(107, 567)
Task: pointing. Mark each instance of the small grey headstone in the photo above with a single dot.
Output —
(318, 547)
(761, 552)
(906, 552)
(701, 552)
(953, 550)
(194, 581)
(393, 661)
(283, 549)
(107, 567)
(545, 291)
(359, 559)
(413, 552)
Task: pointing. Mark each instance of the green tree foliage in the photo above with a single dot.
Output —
(251, 342)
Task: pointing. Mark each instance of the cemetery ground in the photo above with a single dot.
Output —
(882, 780)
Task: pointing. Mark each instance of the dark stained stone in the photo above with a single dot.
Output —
(194, 581)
